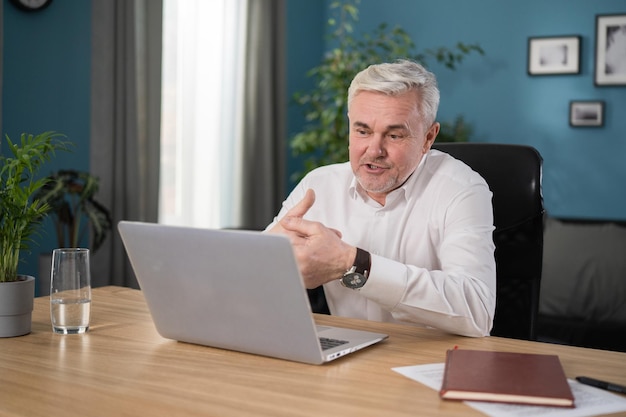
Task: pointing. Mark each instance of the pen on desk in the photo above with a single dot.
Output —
(601, 384)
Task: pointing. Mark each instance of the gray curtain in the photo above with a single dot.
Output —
(125, 121)
(264, 130)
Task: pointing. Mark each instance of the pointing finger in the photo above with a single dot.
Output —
(300, 209)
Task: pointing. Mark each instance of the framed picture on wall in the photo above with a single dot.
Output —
(554, 55)
(610, 50)
(586, 113)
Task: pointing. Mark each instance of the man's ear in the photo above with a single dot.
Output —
(431, 135)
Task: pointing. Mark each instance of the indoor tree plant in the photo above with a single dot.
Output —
(74, 211)
(20, 215)
(71, 196)
(324, 138)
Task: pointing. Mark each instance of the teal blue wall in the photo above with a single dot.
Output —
(46, 86)
(584, 168)
(306, 25)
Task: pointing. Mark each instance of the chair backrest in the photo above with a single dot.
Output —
(513, 173)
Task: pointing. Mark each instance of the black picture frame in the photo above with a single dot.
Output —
(586, 113)
(610, 65)
(554, 55)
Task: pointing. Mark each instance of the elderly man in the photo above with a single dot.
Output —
(401, 232)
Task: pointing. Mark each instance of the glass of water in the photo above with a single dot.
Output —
(70, 290)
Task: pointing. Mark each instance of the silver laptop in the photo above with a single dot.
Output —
(231, 289)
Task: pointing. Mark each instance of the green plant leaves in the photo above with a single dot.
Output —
(71, 195)
(20, 211)
(324, 138)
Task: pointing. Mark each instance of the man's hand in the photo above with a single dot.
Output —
(321, 254)
(299, 210)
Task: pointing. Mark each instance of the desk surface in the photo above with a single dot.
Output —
(123, 367)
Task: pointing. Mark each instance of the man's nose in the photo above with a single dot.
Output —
(375, 146)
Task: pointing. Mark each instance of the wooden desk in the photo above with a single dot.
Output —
(123, 367)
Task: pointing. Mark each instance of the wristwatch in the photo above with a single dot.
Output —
(357, 275)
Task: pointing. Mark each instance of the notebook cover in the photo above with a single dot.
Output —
(510, 377)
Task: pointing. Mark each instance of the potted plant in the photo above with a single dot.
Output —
(74, 211)
(323, 140)
(71, 195)
(20, 214)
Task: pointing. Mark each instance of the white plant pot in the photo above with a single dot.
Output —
(16, 306)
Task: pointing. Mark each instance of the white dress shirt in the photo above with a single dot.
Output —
(431, 245)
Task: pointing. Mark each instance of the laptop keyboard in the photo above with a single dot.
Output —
(331, 343)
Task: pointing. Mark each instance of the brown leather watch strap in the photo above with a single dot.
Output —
(363, 262)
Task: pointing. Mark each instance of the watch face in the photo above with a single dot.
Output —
(353, 280)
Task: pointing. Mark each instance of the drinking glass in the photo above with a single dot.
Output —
(70, 290)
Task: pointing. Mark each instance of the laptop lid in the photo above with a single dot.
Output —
(230, 289)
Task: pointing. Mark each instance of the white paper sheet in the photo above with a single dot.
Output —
(589, 401)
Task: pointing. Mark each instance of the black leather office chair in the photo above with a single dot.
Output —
(513, 173)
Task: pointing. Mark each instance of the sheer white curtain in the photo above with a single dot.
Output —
(202, 106)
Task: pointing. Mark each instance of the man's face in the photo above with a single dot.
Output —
(387, 140)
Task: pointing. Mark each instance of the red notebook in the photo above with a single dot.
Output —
(520, 378)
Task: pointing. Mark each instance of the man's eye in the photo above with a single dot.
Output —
(361, 132)
(394, 136)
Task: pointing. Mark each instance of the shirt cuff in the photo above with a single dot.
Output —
(386, 282)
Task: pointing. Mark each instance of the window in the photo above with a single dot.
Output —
(201, 101)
